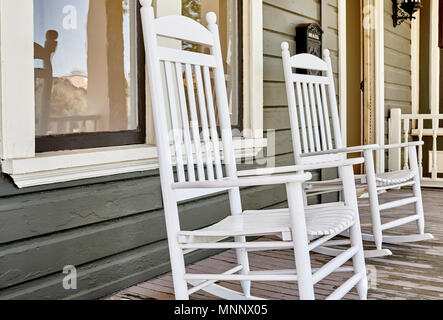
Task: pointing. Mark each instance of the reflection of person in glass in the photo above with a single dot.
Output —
(46, 74)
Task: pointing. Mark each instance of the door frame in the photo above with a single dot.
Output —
(374, 77)
(434, 59)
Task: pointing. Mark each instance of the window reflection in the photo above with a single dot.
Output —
(85, 66)
(228, 21)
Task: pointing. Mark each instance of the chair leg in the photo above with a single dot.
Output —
(358, 259)
(373, 199)
(180, 284)
(176, 253)
(300, 238)
(417, 190)
(242, 254)
(178, 271)
(243, 260)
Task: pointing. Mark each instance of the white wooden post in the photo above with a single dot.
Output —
(17, 124)
(395, 138)
(434, 148)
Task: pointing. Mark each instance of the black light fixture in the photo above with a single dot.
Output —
(404, 10)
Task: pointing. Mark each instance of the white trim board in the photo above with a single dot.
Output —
(439, 161)
(56, 167)
(17, 79)
(415, 64)
(342, 49)
(253, 68)
(379, 83)
(434, 60)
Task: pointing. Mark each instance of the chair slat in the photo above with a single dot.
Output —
(213, 122)
(174, 122)
(194, 121)
(194, 58)
(183, 28)
(302, 117)
(326, 115)
(308, 117)
(314, 118)
(185, 123)
(310, 79)
(204, 122)
(307, 61)
(321, 118)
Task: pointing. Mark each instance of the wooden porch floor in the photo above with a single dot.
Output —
(414, 271)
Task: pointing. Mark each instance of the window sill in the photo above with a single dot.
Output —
(62, 166)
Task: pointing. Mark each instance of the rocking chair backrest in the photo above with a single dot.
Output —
(312, 106)
(186, 115)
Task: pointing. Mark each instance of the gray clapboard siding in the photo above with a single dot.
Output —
(102, 277)
(26, 260)
(280, 21)
(276, 118)
(273, 41)
(7, 187)
(31, 215)
(274, 95)
(309, 9)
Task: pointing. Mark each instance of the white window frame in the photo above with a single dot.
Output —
(17, 115)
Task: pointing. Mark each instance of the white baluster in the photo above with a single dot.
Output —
(434, 148)
(406, 139)
(420, 148)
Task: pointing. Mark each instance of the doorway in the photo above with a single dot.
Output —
(355, 77)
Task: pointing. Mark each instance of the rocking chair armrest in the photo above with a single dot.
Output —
(342, 150)
(300, 168)
(263, 180)
(401, 145)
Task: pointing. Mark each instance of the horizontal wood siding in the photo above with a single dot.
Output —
(281, 17)
(280, 20)
(398, 85)
(113, 232)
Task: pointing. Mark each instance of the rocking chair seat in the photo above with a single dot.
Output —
(383, 179)
(322, 220)
(395, 177)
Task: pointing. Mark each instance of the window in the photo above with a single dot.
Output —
(88, 74)
(229, 13)
(24, 136)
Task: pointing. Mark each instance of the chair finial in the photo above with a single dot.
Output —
(146, 3)
(211, 18)
(285, 46)
(326, 53)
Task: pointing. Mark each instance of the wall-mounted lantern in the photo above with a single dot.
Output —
(404, 10)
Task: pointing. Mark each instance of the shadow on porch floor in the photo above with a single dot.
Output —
(414, 271)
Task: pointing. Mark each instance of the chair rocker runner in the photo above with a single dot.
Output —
(206, 165)
(316, 137)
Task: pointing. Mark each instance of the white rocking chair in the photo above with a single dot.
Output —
(321, 139)
(200, 171)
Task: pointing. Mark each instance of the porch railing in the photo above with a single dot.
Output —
(426, 127)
